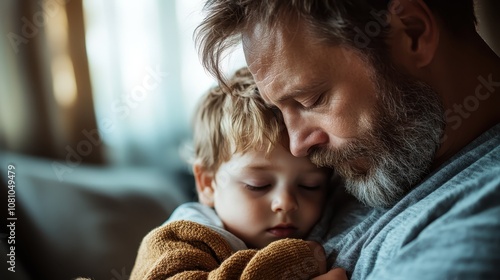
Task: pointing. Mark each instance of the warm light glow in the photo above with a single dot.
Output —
(63, 79)
(145, 72)
(63, 74)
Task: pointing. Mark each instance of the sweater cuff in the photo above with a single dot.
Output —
(284, 259)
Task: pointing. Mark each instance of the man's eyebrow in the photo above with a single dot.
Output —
(310, 87)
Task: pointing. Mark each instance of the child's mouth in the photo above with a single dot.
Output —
(282, 231)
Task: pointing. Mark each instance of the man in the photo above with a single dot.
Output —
(400, 97)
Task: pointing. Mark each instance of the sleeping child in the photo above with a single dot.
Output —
(256, 200)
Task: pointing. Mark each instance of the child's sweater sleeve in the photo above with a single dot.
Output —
(188, 250)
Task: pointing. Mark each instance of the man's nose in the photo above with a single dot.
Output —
(303, 135)
(284, 201)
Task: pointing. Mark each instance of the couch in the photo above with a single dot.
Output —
(88, 224)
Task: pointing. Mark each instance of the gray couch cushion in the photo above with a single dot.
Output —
(91, 222)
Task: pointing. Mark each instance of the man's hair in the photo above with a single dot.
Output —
(232, 120)
(336, 22)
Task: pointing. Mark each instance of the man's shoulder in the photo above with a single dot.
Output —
(454, 209)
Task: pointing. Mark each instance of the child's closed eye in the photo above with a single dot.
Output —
(310, 188)
(257, 188)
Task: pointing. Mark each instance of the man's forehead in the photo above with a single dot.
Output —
(260, 48)
(267, 86)
(267, 51)
(287, 62)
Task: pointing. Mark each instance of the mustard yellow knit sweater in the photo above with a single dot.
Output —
(188, 250)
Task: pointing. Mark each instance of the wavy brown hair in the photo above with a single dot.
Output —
(335, 22)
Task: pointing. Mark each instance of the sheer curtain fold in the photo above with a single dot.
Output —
(46, 99)
(134, 53)
(146, 76)
(91, 81)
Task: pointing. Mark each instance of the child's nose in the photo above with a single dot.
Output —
(284, 201)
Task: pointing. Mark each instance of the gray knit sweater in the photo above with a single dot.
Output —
(448, 227)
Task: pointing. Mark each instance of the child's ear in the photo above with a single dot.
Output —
(204, 188)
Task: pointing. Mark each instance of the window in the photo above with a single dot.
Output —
(146, 75)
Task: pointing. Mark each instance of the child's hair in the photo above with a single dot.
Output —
(233, 120)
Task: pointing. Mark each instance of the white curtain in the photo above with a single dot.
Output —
(146, 76)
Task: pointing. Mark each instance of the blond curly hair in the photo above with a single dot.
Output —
(233, 119)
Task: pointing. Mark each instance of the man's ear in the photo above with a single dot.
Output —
(414, 33)
(204, 188)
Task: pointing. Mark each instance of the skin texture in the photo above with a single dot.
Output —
(253, 193)
(372, 125)
(296, 84)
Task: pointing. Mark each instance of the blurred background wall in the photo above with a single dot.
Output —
(123, 76)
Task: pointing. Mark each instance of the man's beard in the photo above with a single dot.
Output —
(382, 165)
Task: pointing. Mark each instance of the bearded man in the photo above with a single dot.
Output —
(402, 99)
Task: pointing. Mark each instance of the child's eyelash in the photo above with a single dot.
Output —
(310, 188)
(256, 188)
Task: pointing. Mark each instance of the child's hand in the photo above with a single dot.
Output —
(334, 274)
(319, 255)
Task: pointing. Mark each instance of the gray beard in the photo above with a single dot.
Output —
(380, 167)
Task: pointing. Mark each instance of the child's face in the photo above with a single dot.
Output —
(262, 199)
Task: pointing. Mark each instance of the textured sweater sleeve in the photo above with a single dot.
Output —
(283, 259)
(187, 250)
